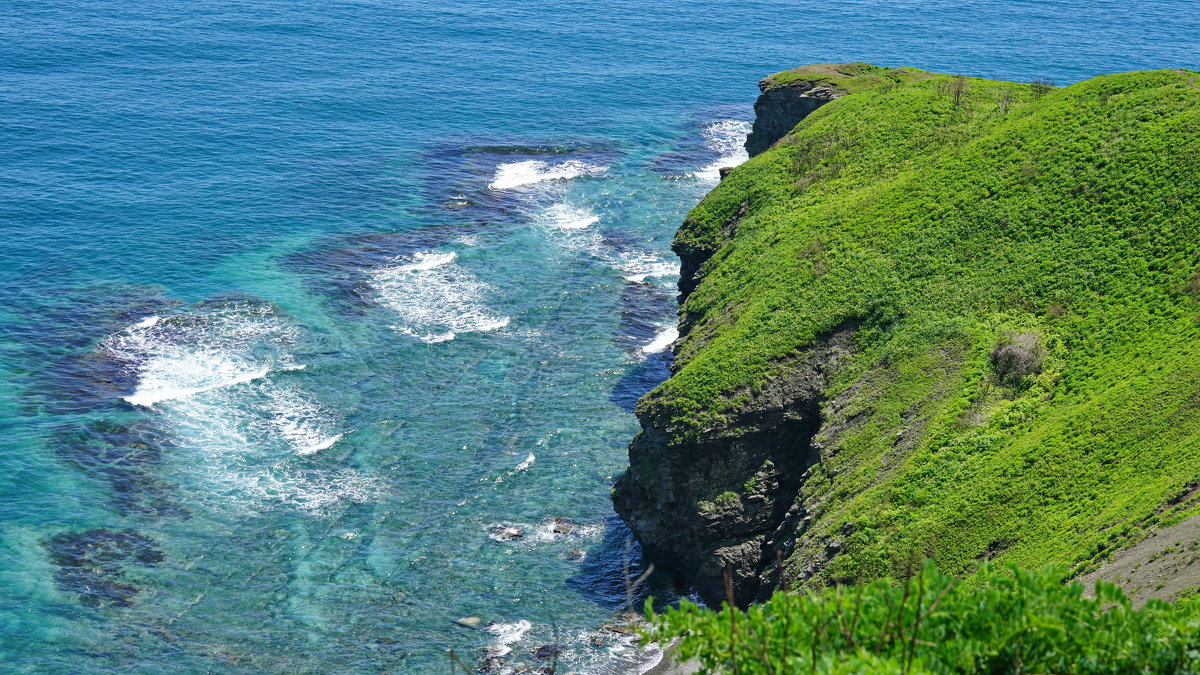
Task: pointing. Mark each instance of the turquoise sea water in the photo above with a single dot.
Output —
(303, 300)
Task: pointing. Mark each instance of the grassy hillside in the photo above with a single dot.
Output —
(1023, 269)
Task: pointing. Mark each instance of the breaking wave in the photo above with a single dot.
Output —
(662, 341)
(216, 380)
(532, 171)
(177, 357)
(609, 649)
(507, 634)
(638, 269)
(566, 217)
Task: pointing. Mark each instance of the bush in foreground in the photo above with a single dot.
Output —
(1007, 621)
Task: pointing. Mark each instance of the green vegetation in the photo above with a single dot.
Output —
(722, 502)
(1005, 622)
(957, 222)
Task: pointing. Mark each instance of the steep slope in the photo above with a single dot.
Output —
(943, 317)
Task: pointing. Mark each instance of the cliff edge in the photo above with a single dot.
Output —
(788, 97)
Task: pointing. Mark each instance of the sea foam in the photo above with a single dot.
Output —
(435, 299)
(182, 356)
(238, 449)
(507, 634)
(662, 341)
(300, 421)
(566, 217)
(726, 138)
(532, 171)
(211, 377)
(638, 270)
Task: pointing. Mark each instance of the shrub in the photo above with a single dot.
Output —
(1018, 357)
(1004, 96)
(1041, 86)
(1008, 621)
(958, 90)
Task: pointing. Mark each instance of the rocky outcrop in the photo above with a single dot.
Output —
(729, 499)
(780, 107)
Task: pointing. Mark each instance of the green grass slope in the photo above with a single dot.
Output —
(1008, 621)
(947, 220)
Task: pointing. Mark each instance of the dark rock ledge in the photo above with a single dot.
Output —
(780, 107)
(732, 497)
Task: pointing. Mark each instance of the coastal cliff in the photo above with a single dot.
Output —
(784, 102)
(933, 316)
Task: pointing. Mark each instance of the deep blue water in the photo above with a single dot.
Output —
(301, 300)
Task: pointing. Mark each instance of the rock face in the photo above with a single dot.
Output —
(730, 498)
(692, 257)
(780, 107)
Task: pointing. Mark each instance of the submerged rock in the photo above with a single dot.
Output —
(505, 533)
(92, 564)
(546, 651)
(469, 621)
(127, 456)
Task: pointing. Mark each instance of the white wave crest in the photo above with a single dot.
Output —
(529, 534)
(202, 372)
(640, 270)
(525, 464)
(179, 357)
(727, 139)
(210, 378)
(301, 422)
(427, 260)
(531, 171)
(435, 299)
(662, 341)
(507, 634)
(234, 448)
(566, 217)
(603, 650)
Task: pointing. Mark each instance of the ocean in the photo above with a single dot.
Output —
(310, 308)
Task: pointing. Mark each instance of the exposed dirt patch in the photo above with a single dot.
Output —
(1163, 565)
(828, 68)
